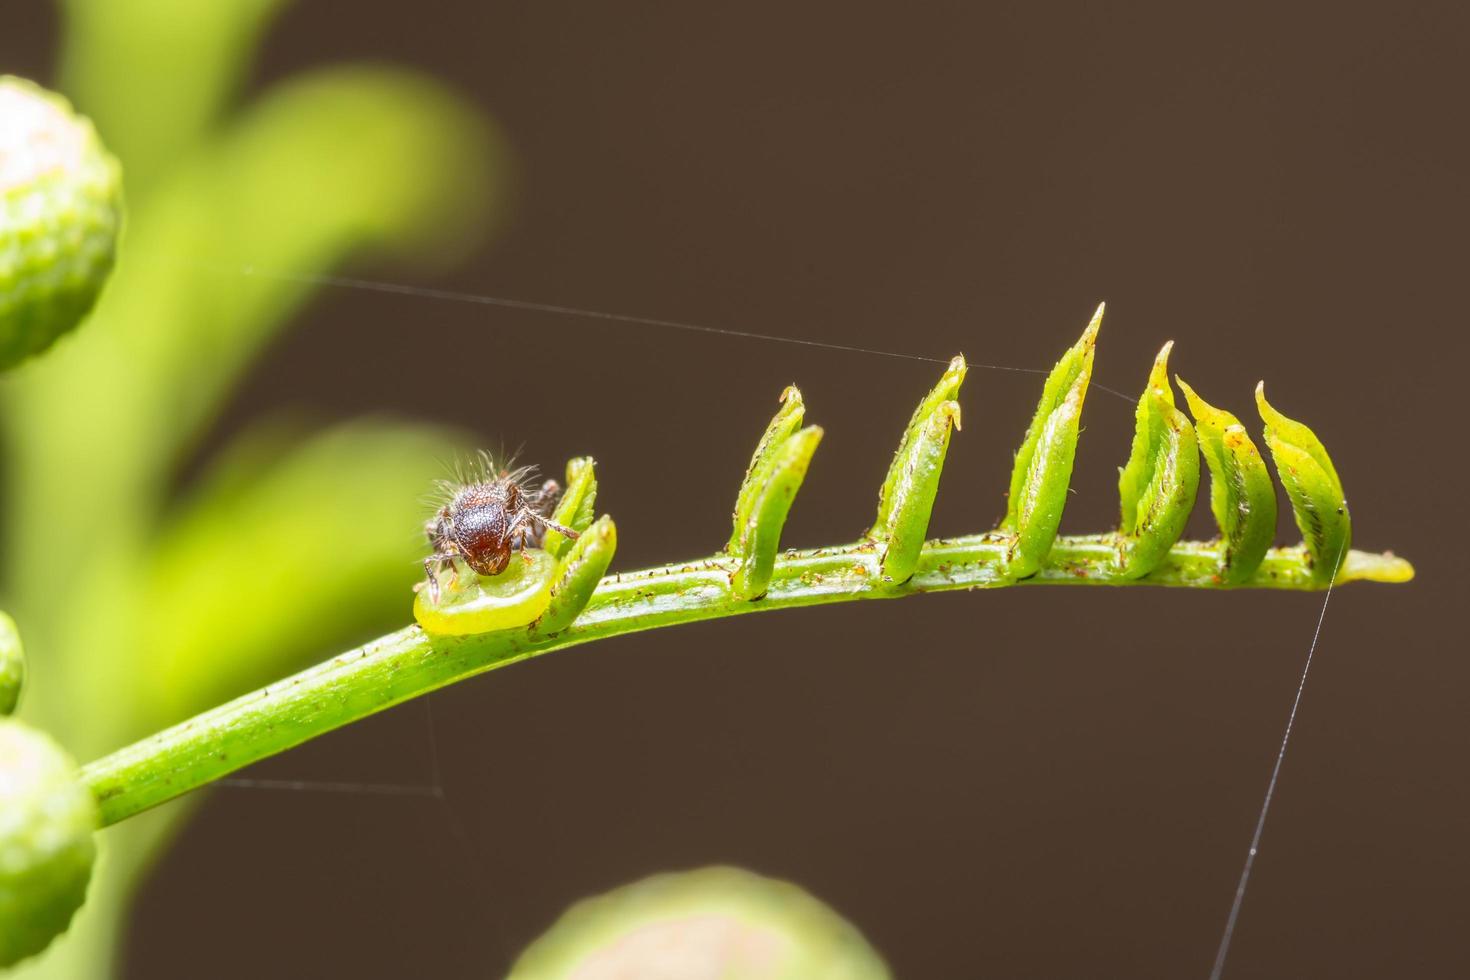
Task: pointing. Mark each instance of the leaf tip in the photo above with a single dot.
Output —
(1268, 414)
(1194, 401)
(1089, 336)
(1158, 377)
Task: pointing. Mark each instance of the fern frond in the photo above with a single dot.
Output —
(1157, 489)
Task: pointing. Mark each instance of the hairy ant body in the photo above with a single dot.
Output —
(486, 520)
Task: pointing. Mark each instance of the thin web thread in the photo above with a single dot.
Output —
(476, 883)
(554, 309)
(436, 772)
(434, 790)
(1250, 858)
(425, 292)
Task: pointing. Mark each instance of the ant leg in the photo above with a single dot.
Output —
(549, 524)
(433, 565)
(517, 533)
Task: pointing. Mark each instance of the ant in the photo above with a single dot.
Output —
(487, 517)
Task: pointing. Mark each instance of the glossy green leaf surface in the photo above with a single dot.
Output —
(1242, 496)
(1043, 466)
(1312, 487)
(1158, 484)
(124, 60)
(906, 498)
(269, 558)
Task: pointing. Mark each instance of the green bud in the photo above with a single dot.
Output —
(768, 510)
(1158, 484)
(1043, 467)
(578, 574)
(471, 603)
(1242, 496)
(46, 846)
(575, 509)
(786, 421)
(713, 922)
(60, 211)
(775, 474)
(1312, 486)
(12, 665)
(907, 497)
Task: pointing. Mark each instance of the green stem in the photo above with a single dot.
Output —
(408, 663)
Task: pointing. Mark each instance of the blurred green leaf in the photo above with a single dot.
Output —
(285, 552)
(348, 159)
(156, 74)
(233, 218)
(12, 665)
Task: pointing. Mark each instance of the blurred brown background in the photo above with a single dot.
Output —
(1027, 783)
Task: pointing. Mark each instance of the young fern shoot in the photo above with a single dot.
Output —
(574, 601)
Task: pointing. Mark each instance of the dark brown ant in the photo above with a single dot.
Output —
(489, 516)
